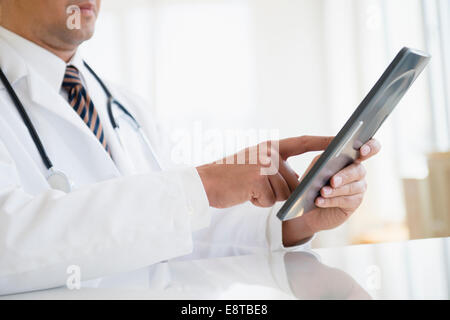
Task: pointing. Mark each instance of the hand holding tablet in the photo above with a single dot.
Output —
(359, 129)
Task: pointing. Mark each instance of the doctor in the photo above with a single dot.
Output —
(72, 193)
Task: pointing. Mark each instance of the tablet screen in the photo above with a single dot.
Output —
(360, 128)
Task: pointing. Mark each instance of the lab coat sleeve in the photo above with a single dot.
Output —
(113, 226)
(196, 198)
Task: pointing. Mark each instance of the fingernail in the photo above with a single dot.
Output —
(327, 190)
(320, 201)
(365, 150)
(337, 181)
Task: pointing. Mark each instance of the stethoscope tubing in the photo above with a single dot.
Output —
(111, 100)
(26, 119)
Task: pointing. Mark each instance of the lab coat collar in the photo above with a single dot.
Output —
(13, 70)
(45, 94)
(40, 91)
(50, 67)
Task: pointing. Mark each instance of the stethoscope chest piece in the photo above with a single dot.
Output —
(59, 181)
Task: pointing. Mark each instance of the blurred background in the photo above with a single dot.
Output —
(297, 67)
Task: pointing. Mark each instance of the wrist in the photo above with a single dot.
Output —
(296, 232)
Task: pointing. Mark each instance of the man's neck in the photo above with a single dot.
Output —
(64, 54)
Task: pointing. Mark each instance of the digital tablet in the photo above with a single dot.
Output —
(360, 128)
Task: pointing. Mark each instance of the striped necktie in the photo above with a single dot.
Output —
(83, 105)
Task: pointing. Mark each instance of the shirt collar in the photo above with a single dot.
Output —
(50, 67)
(76, 61)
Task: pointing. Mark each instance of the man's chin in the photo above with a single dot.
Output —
(81, 35)
(88, 34)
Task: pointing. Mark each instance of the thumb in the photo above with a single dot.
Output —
(294, 146)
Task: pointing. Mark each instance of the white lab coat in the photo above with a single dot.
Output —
(122, 215)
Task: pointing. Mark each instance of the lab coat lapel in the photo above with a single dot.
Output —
(43, 96)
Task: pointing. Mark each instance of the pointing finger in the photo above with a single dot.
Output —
(298, 145)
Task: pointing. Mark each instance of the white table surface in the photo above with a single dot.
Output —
(418, 269)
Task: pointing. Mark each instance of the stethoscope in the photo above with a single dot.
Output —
(57, 179)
